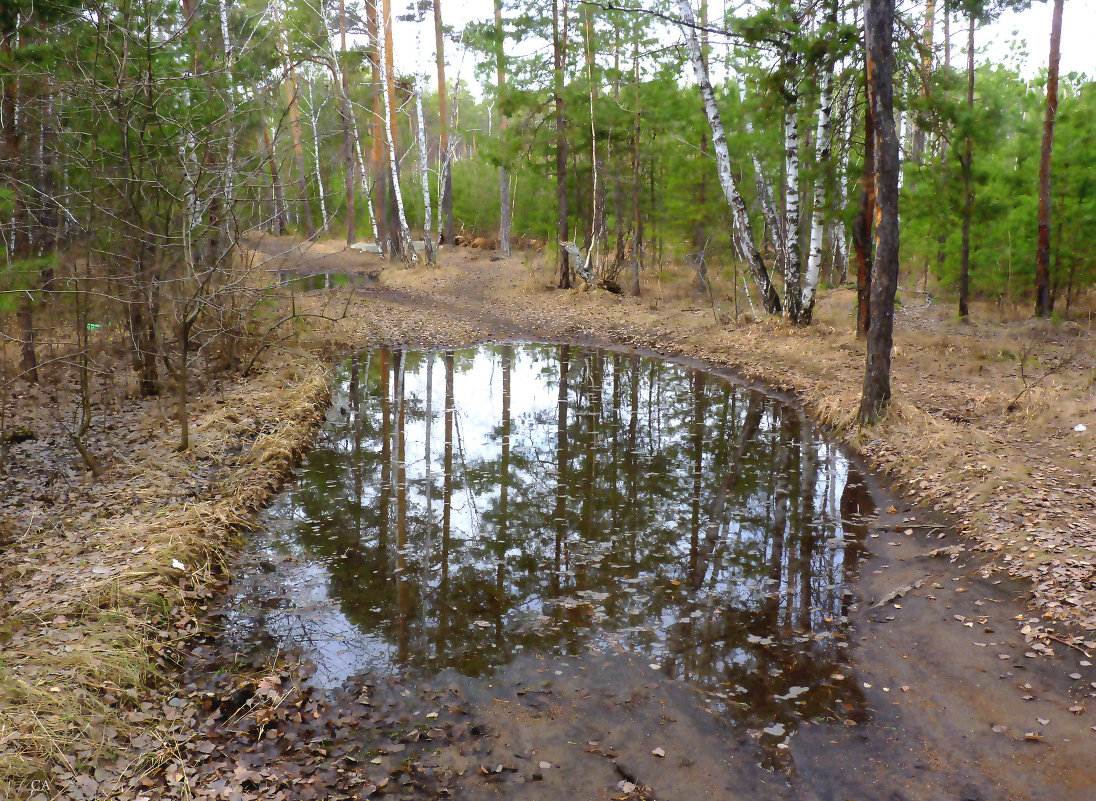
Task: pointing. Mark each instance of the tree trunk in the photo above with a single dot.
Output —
(350, 139)
(14, 168)
(379, 189)
(942, 239)
(314, 122)
(792, 255)
(446, 200)
(278, 216)
(764, 194)
(822, 158)
(861, 232)
(504, 175)
(406, 245)
(1044, 299)
(879, 26)
(294, 123)
(424, 177)
(917, 146)
(637, 221)
(744, 239)
(968, 189)
(559, 56)
(230, 116)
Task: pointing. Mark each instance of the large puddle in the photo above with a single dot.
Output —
(462, 508)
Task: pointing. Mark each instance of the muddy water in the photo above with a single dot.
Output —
(640, 574)
(463, 508)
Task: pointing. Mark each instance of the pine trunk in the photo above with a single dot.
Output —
(968, 184)
(378, 190)
(861, 232)
(559, 56)
(879, 26)
(1044, 300)
(290, 84)
(350, 139)
(444, 156)
(504, 175)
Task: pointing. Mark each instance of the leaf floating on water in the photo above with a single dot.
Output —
(794, 692)
(658, 752)
(776, 730)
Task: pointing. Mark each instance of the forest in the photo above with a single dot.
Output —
(143, 141)
(677, 363)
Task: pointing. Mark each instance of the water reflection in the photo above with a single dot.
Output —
(588, 499)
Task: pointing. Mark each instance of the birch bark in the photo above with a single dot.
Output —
(765, 199)
(313, 120)
(745, 241)
(792, 255)
(406, 244)
(822, 159)
(230, 110)
(424, 172)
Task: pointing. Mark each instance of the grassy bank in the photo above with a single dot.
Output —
(98, 596)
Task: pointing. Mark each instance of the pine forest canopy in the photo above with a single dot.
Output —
(142, 139)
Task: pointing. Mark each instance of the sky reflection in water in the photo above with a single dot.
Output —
(460, 508)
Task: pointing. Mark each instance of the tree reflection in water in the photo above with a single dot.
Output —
(589, 499)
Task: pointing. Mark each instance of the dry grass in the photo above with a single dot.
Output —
(98, 602)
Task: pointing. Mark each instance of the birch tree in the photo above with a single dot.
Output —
(743, 234)
(792, 255)
(822, 158)
(424, 172)
(406, 245)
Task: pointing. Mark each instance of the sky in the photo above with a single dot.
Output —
(996, 41)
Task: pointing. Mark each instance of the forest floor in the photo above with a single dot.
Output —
(992, 427)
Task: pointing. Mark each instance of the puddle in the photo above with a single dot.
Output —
(465, 509)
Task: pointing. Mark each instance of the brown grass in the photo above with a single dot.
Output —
(98, 599)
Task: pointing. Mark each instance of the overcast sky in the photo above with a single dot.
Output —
(996, 41)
